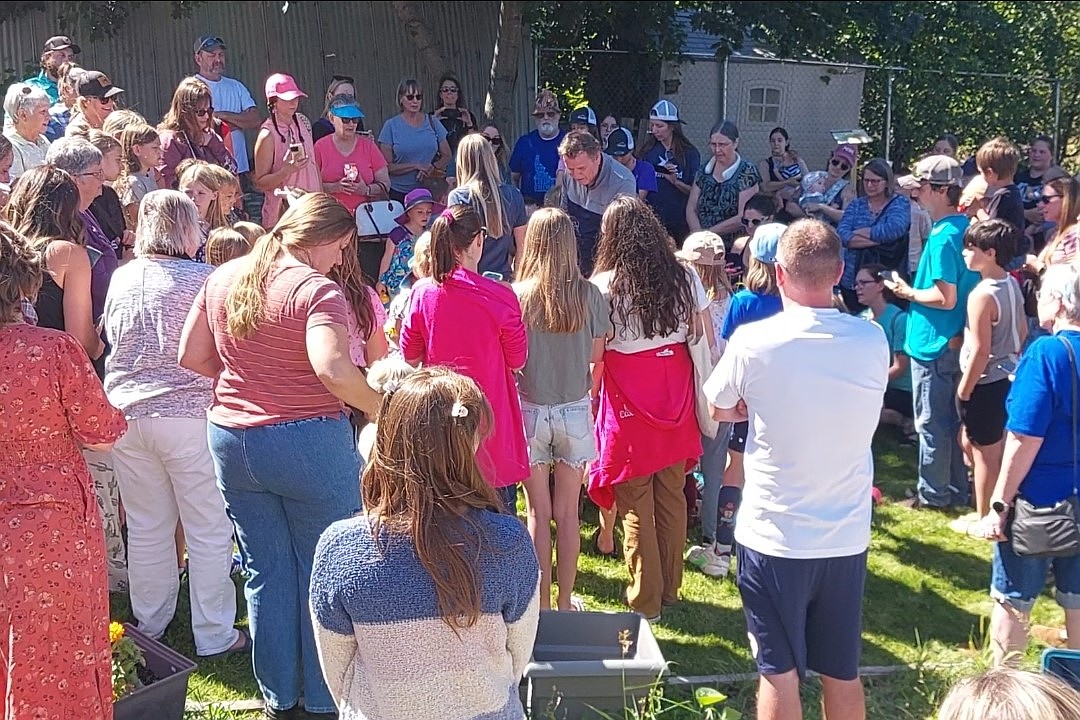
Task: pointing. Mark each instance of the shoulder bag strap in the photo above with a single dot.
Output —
(1075, 406)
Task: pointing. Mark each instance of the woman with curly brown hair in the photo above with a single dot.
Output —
(646, 427)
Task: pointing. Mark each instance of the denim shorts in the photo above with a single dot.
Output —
(560, 433)
(1019, 580)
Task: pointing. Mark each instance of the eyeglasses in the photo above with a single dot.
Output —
(864, 283)
(343, 79)
(203, 112)
(99, 174)
(448, 88)
(840, 164)
(1047, 199)
(872, 181)
(413, 96)
(751, 222)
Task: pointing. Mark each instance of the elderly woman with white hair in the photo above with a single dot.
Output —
(1039, 468)
(163, 463)
(26, 110)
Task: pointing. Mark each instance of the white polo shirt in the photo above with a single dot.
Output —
(813, 380)
(230, 95)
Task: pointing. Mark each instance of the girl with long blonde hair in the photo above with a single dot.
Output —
(500, 205)
(430, 562)
(271, 329)
(566, 318)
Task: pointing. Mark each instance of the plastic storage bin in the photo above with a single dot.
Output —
(579, 668)
(165, 698)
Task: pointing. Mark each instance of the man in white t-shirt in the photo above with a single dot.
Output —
(811, 381)
(233, 103)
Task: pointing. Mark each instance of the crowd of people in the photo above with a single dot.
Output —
(347, 420)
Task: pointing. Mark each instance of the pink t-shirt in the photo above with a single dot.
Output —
(473, 325)
(268, 377)
(331, 162)
(357, 340)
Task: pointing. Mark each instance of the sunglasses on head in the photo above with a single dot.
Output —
(211, 42)
(342, 79)
(203, 112)
(840, 164)
(413, 96)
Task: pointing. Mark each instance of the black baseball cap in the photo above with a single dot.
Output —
(619, 143)
(61, 42)
(93, 83)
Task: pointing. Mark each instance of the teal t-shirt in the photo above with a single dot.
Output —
(893, 321)
(930, 329)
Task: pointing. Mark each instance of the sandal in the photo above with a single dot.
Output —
(243, 647)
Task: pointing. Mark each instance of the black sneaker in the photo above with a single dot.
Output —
(273, 714)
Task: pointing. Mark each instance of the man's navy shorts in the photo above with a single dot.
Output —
(803, 614)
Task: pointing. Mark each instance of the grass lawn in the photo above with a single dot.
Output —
(926, 606)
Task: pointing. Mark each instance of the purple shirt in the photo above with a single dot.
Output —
(102, 270)
(645, 175)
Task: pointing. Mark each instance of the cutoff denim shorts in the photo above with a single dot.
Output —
(560, 433)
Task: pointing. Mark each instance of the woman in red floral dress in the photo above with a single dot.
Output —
(54, 607)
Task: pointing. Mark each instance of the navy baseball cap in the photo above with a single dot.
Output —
(619, 143)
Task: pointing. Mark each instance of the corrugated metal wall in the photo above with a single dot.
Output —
(312, 42)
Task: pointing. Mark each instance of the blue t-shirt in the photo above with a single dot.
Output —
(747, 306)
(930, 329)
(893, 321)
(411, 145)
(536, 160)
(496, 257)
(668, 201)
(1040, 405)
(645, 175)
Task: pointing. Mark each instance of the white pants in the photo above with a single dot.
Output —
(165, 472)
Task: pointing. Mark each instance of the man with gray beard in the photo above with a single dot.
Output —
(535, 159)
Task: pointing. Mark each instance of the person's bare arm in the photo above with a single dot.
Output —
(247, 120)
(941, 295)
(392, 167)
(328, 353)
(73, 275)
(692, 220)
(198, 351)
(1017, 459)
(734, 223)
(980, 314)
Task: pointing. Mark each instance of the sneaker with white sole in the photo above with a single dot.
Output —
(717, 560)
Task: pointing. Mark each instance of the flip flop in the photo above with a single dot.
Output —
(244, 647)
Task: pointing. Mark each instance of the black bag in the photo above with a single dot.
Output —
(1050, 531)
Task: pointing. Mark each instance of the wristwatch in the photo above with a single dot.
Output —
(999, 506)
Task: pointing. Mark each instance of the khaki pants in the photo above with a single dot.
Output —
(653, 511)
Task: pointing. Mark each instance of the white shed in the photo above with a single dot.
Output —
(760, 91)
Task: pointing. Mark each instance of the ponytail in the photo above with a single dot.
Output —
(451, 234)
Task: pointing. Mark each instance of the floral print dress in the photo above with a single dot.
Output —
(54, 610)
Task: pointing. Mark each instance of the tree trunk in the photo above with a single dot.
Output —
(499, 104)
(431, 50)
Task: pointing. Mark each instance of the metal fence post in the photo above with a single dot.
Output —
(888, 116)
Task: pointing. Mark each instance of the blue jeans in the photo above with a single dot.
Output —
(943, 480)
(713, 462)
(283, 485)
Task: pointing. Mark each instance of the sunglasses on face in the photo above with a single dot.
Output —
(348, 121)
(1047, 199)
(413, 96)
(751, 222)
(107, 101)
(448, 88)
(203, 112)
(496, 141)
(840, 164)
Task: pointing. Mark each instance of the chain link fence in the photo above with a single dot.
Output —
(904, 110)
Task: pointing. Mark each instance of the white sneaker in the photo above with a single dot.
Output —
(717, 560)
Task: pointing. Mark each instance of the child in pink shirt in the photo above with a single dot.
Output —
(472, 324)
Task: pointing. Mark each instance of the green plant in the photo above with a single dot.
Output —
(127, 658)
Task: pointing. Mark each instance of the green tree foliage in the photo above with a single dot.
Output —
(94, 19)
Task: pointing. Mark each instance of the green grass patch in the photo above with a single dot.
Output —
(926, 606)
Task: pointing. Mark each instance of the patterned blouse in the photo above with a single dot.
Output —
(719, 200)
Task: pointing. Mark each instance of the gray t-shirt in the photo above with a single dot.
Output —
(411, 145)
(145, 310)
(496, 257)
(557, 370)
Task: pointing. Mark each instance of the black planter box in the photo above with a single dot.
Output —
(165, 698)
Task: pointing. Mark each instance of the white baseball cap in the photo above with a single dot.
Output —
(666, 111)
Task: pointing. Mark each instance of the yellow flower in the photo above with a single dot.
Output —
(116, 631)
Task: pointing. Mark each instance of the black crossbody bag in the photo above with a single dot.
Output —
(1050, 531)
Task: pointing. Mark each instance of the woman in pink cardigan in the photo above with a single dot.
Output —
(462, 320)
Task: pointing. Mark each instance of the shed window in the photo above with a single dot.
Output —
(764, 105)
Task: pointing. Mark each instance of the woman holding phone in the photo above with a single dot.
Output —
(284, 150)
